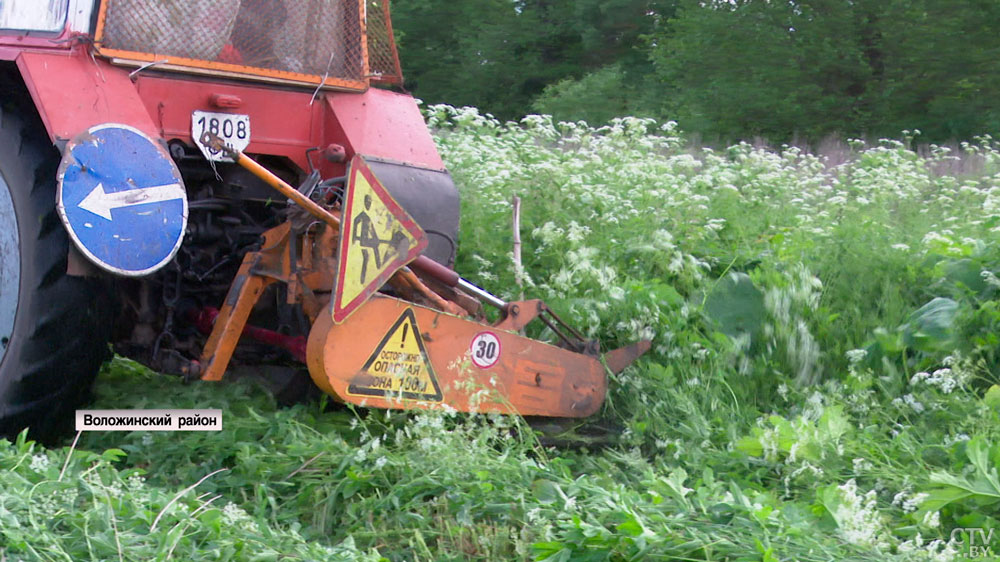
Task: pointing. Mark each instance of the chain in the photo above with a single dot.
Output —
(171, 296)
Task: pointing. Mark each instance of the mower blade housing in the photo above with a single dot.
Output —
(395, 354)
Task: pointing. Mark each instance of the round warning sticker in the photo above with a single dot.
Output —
(485, 349)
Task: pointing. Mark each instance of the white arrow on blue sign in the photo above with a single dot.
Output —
(122, 199)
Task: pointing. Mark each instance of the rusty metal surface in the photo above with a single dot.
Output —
(14, 42)
(528, 377)
(622, 357)
(272, 180)
(287, 132)
(243, 294)
(376, 123)
(296, 345)
(519, 314)
(418, 288)
(394, 353)
(308, 277)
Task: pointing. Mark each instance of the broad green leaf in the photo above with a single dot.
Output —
(983, 485)
(992, 397)
(113, 454)
(630, 526)
(736, 305)
(675, 481)
(930, 328)
(965, 272)
(833, 423)
(546, 491)
(750, 446)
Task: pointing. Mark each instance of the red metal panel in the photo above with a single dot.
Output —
(383, 124)
(13, 42)
(8, 53)
(282, 122)
(74, 92)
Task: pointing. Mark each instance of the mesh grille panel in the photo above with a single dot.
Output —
(382, 58)
(306, 37)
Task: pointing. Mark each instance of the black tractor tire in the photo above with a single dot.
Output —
(52, 350)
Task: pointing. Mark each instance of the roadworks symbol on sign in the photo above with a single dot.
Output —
(399, 367)
(378, 238)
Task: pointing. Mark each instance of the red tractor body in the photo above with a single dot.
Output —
(74, 90)
(157, 131)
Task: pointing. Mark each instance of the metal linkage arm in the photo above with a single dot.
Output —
(213, 141)
(422, 263)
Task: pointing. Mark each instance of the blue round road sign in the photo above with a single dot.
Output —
(122, 199)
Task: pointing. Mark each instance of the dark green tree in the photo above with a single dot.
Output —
(726, 69)
(809, 68)
(772, 69)
(942, 68)
(616, 76)
(493, 54)
(499, 55)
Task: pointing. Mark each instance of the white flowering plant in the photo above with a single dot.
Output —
(821, 385)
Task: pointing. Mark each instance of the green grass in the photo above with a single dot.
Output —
(821, 385)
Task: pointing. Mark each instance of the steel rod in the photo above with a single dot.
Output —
(433, 269)
(288, 191)
(422, 263)
(272, 180)
(489, 299)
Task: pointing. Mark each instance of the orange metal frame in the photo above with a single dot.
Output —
(398, 77)
(310, 273)
(530, 377)
(363, 12)
(250, 72)
(361, 360)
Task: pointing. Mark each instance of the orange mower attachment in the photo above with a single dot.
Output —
(394, 329)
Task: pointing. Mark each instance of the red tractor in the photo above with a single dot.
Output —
(205, 184)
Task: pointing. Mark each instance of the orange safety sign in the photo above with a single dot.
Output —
(377, 238)
(399, 367)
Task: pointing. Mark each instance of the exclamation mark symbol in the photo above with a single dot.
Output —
(402, 342)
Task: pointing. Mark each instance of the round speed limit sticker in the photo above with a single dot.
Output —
(485, 350)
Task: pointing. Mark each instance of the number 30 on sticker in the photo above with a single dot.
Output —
(485, 349)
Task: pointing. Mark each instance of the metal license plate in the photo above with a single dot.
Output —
(233, 128)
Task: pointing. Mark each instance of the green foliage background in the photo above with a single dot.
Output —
(822, 383)
(726, 70)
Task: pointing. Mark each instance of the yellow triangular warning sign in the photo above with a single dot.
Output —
(399, 367)
(377, 238)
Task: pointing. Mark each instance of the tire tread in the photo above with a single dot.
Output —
(63, 326)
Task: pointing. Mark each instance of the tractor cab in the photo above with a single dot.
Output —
(333, 44)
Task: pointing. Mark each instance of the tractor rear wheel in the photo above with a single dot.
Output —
(54, 327)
